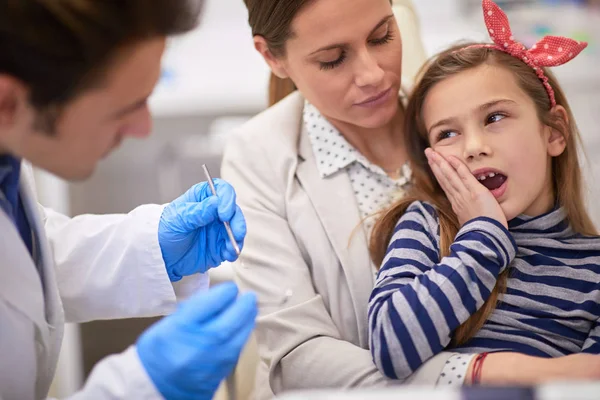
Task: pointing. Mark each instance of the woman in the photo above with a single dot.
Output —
(308, 171)
(305, 230)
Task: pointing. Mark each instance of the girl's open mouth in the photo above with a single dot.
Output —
(495, 182)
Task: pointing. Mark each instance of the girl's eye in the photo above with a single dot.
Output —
(446, 135)
(335, 63)
(495, 117)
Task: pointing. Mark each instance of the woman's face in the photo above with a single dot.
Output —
(345, 56)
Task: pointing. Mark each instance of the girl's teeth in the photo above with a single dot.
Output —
(484, 176)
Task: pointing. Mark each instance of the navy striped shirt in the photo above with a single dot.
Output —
(551, 307)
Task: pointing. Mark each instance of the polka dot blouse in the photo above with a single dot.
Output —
(374, 190)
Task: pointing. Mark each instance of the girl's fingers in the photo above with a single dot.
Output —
(452, 176)
(439, 175)
(465, 175)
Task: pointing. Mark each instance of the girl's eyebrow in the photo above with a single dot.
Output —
(482, 107)
(494, 103)
(441, 122)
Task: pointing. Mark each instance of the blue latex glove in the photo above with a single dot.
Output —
(189, 353)
(191, 233)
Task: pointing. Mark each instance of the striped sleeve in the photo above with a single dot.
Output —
(418, 299)
(592, 343)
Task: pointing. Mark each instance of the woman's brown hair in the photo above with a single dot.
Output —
(272, 19)
(566, 172)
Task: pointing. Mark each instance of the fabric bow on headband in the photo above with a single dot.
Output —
(551, 51)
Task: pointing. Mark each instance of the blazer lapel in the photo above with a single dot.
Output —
(333, 199)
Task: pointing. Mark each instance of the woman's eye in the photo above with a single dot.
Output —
(495, 117)
(384, 39)
(325, 65)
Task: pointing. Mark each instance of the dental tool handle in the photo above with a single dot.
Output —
(226, 223)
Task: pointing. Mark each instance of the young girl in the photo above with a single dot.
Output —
(494, 250)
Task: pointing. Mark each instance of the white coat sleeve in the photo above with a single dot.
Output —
(120, 376)
(111, 266)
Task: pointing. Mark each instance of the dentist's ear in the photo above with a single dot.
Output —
(9, 100)
(557, 138)
(276, 64)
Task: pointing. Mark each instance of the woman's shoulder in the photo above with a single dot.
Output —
(279, 123)
(267, 145)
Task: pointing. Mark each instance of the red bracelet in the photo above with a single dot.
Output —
(477, 368)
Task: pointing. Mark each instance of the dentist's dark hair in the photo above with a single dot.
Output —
(60, 48)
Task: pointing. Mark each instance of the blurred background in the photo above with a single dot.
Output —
(213, 81)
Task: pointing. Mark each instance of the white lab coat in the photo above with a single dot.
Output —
(91, 267)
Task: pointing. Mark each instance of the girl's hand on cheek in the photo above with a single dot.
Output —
(469, 198)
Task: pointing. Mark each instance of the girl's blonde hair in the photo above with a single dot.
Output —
(566, 172)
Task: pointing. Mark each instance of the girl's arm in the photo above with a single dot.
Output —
(519, 369)
(418, 301)
(592, 343)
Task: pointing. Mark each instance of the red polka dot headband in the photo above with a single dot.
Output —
(551, 51)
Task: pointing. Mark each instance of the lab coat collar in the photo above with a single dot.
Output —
(23, 277)
(35, 295)
(54, 314)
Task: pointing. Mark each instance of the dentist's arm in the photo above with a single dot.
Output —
(124, 265)
(183, 356)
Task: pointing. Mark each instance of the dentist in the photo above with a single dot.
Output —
(75, 76)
